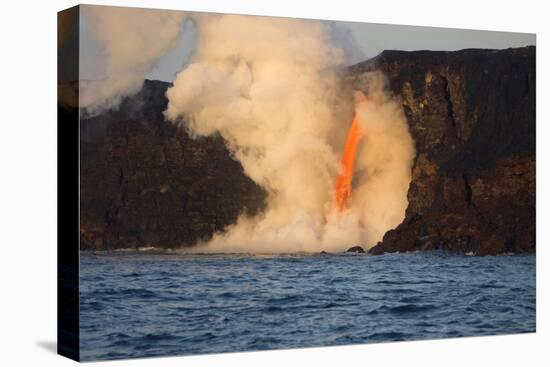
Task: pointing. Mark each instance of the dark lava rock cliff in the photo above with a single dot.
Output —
(472, 116)
(145, 182)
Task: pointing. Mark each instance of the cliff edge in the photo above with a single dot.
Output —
(472, 116)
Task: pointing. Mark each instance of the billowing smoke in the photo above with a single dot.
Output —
(264, 84)
(383, 169)
(273, 89)
(133, 40)
(269, 87)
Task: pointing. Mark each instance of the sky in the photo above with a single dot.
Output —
(361, 40)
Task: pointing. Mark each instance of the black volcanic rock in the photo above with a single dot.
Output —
(146, 182)
(472, 116)
(356, 249)
(471, 113)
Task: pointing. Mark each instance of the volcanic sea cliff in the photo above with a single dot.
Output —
(471, 113)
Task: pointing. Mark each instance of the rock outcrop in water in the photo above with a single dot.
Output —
(472, 116)
(145, 182)
(356, 250)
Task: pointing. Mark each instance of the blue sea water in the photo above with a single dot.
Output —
(141, 304)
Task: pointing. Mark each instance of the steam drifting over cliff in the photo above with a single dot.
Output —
(134, 39)
(271, 88)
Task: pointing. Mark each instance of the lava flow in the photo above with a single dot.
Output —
(343, 184)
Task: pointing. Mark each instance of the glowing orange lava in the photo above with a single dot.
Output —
(343, 184)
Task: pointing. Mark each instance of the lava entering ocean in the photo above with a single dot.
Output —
(343, 184)
(276, 101)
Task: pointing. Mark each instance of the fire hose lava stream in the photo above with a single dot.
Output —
(343, 184)
(276, 101)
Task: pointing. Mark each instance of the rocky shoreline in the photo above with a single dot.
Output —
(471, 114)
(144, 181)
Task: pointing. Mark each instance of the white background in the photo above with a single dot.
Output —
(28, 182)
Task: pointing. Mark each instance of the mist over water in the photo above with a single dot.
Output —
(274, 89)
(278, 100)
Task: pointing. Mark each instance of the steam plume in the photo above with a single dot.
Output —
(270, 88)
(384, 160)
(133, 39)
(267, 85)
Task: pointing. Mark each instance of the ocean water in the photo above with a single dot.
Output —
(142, 304)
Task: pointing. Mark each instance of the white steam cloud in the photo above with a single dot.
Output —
(133, 39)
(268, 86)
(384, 160)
